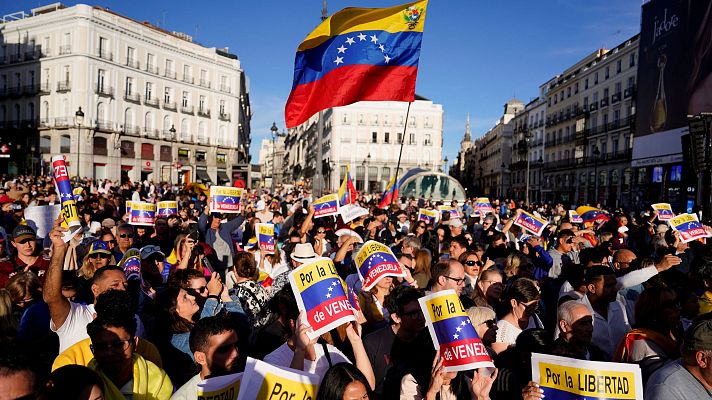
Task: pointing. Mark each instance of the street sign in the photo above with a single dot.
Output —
(4, 151)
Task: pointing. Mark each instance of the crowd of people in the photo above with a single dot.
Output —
(148, 312)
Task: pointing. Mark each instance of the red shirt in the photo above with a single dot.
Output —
(11, 267)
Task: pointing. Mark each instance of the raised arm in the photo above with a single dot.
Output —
(59, 306)
(353, 332)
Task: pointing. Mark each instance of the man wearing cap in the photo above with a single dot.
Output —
(28, 256)
(455, 227)
(262, 212)
(690, 377)
(152, 265)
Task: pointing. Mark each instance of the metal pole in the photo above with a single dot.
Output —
(317, 179)
(274, 144)
(400, 152)
(595, 181)
(526, 197)
(79, 150)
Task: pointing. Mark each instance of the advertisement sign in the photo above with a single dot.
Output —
(567, 378)
(531, 223)
(375, 261)
(689, 227)
(168, 207)
(429, 216)
(64, 191)
(225, 199)
(320, 294)
(326, 206)
(453, 333)
(664, 211)
(265, 238)
(143, 214)
(262, 381)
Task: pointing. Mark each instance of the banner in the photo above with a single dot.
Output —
(225, 199)
(574, 217)
(262, 381)
(453, 333)
(564, 378)
(449, 209)
(664, 211)
(429, 216)
(129, 204)
(374, 261)
(483, 205)
(64, 191)
(350, 212)
(320, 294)
(326, 205)
(531, 223)
(221, 387)
(41, 218)
(168, 207)
(689, 227)
(265, 238)
(143, 214)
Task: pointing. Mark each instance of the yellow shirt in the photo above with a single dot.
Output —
(80, 354)
(149, 381)
(706, 302)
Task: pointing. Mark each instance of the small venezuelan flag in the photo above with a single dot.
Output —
(357, 54)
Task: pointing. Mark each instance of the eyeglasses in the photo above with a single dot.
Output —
(320, 232)
(126, 235)
(25, 241)
(108, 347)
(570, 240)
(472, 263)
(97, 256)
(23, 301)
(458, 281)
(491, 323)
(197, 291)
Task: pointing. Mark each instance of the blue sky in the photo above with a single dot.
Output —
(475, 55)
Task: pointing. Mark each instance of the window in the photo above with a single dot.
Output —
(167, 95)
(183, 153)
(427, 139)
(375, 119)
(127, 149)
(45, 144)
(585, 84)
(615, 146)
(169, 67)
(616, 115)
(561, 96)
(360, 119)
(201, 103)
(385, 173)
(222, 107)
(618, 88)
(130, 55)
(374, 137)
(568, 92)
(605, 93)
(676, 173)
(576, 88)
(619, 65)
(221, 158)
(203, 76)
(100, 80)
(595, 79)
(149, 90)
(345, 119)
(387, 120)
(166, 154)
(400, 138)
(657, 174)
(631, 60)
(595, 97)
(607, 72)
(65, 144)
(184, 101)
(631, 82)
(200, 156)
(147, 151)
(605, 119)
(386, 137)
(186, 72)
(411, 139)
(150, 61)
(129, 86)
(585, 102)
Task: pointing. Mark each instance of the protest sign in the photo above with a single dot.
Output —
(320, 294)
(449, 209)
(592, 214)
(142, 214)
(265, 238)
(664, 211)
(350, 212)
(326, 205)
(375, 261)
(64, 191)
(574, 217)
(453, 333)
(689, 227)
(564, 378)
(483, 205)
(129, 204)
(262, 381)
(168, 207)
(220, 387)
(428, 216)
(225, 199)
(530, 222)
(41, 218)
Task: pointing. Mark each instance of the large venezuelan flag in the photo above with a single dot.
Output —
(392, 190)
(357, 54)
(347, 191)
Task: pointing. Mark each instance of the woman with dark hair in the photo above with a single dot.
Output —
(344, 381)
(421, 272)
(371, 303)
(251, 295)
(520, 302)
(74, 382)
(654, 339)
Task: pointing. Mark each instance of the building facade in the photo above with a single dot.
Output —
(122, 98)
(366, 136)
(528, 150)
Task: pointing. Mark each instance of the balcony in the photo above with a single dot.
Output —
(105, 54)
(106, 126)
(151, 69)
(152, 133)
(15, 58)
(13, 91)
(616, 98)
(185, 137)
(168, 135)
(45, 88)
(132, 97)
(604, 102)
(170, 74)
(169, 105)
(104, 90)
(188, 79)
(66, 49)
(204, 83)
(630, 92)
(44, 123)
(32, 55)
(152, 102)
(131, 130)
(593, 106)
(63, 122)
(224, 116)
(187, 110)
(65, 86)
(132, 63)
(225, 88)
(204, 112)
(31, 90)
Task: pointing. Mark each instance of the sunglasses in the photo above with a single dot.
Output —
(126, 235)
(320, 231)
(570, 241)
(197, 291)
(25, 241)
(531, 308)
(97, 256)
(472, 263)
(491, 323)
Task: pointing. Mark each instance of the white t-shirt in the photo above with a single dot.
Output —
(189, 390)
(282, 357)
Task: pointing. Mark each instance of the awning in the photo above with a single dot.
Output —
(202, 174)
(222, 177)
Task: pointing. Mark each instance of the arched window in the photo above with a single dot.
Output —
(202, 133)
(167, 123)
(148, 122)
(65, 143)
(100, 113)
(223, 135)
(127, 149)
(31, 112)
(45, 144)
(614, 177)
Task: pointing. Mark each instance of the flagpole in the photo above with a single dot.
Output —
(400, 153)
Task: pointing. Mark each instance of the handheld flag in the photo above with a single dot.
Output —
(143, 214)
(664, 211)
(453, 333)
(168, 207)
(326, 205)
(347, 191)
(531, 223)
(225, 199)
(574, 217)
(265, 238)
(375, 261)
(392, 190)
(320, 294)
(592, 214)
(689, 227)
(483, 206)
(355, 55)
(449, 209)
(429, 216)
(64, 190)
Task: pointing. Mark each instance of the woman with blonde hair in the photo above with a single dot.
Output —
(421, 272)
(98, 256)
(8, 322)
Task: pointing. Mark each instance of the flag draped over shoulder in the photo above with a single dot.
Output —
(357, 54)
(347, 191)
(393, 188)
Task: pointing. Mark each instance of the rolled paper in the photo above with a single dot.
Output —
(64, 190)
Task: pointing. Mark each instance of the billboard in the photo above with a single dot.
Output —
(674, 77)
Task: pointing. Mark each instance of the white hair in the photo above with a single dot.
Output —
(566, 310)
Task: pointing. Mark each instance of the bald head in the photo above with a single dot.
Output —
(622, 259)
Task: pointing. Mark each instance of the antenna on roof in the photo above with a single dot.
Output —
(324, 13)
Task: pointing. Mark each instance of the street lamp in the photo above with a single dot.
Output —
(501, 192)
(78, 120)
(445, 164)
(275, 136)
(596, 153)
(172, 138)
(527, 137)
(366, 162)
(482, 179)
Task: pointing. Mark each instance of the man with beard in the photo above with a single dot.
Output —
(214, 344)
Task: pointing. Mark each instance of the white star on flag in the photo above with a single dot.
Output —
(374, 39)
(382, 47)
(331, 288)
(469, 322)
(361, 37)
(350, 40)
(341, 49)
(456, 336)
(387, 58)
(328, 295)
(335, 283)
(458, 329)
(463, 323)
(339, 60)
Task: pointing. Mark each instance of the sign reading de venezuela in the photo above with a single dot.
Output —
(168, 207)
(530, 222)
(262, 381)
(664, 211)
(564, 378)
(320, 294)
(689, 227)
(375, 261)
(143, 214)
(265, 238)
(326, 205)
(225, 199)
(453, 333)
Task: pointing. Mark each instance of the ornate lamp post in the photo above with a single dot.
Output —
(79, 120)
